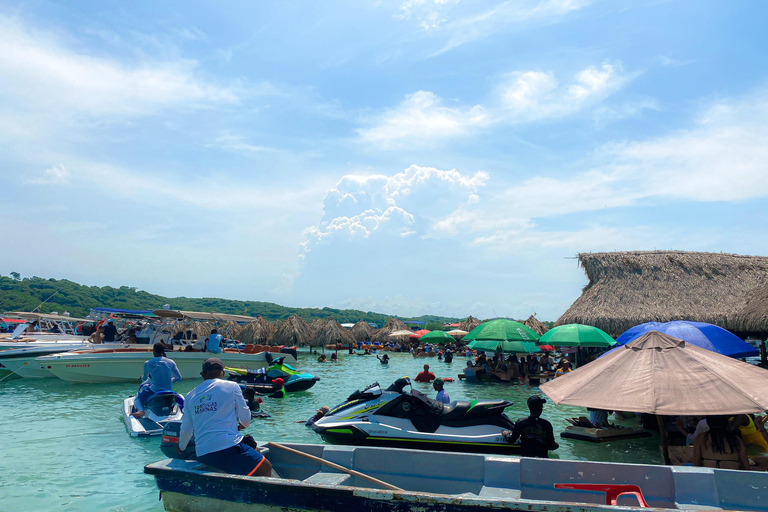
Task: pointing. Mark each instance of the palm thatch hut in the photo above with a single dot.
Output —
(258, 332)
(316, 325)
(231, 329)
(392, 325)
(535, 325)
(628, 288)
(469, 324)
(332, 333)
(292, 331)
(362, 331)
(753, 319)
(189, 327)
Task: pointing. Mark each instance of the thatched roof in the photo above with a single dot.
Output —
(331, 332)
(292, 331)
(469, 324)
(362, 331)
(202, 329)
(316, 325)
(392, 325)
(259, 332)
(230, 328)
(628, 288)
(753, 319)
(535, 325)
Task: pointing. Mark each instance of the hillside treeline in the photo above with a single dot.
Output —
(26, 294)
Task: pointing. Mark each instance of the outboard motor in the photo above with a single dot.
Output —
(163, 403)
(171, 439)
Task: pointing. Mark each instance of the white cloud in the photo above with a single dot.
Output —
(521, 97)
(56, 175)
(420, 118)
(359, 207)
(466, 21)
(535, 95)
(236, 144)
(42, 74)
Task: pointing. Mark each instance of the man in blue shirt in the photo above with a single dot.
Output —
(442, 396)
(110, 331)
(160, 373)
(214, 342)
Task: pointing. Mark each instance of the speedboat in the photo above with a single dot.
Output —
(395, 418)
(161, 408)
(127, 364)
(262, 380)
(23, 360)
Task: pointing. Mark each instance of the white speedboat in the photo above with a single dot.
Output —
(22, 361)
(127, 364)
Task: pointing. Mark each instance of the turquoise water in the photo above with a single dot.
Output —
(65, 447)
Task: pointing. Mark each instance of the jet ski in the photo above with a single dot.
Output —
(395, 418)
(262, 380)
(162, 407)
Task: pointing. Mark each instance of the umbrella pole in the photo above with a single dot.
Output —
(664, 439)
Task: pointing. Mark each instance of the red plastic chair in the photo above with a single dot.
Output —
(612, 491)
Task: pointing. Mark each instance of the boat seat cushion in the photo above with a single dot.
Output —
(329, 479)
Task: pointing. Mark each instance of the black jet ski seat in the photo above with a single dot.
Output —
(475, 408)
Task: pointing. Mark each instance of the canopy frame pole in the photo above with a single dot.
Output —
(664, 439)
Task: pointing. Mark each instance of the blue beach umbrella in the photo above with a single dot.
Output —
(707, 336)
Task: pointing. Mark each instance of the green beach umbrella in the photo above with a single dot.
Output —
(437, 337)
(502, 335)
(576, 335)
(506, 347)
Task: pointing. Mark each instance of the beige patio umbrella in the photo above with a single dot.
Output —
(402, 332)
(662, 375)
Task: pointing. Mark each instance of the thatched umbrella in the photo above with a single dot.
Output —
(230, 328)
(315, 326)
(630, 288)
(392, 325)
(259, 332)
(362, 331)
(332, 333)
(292, 331)
(202, 329)
(469, 324)
(535, 325)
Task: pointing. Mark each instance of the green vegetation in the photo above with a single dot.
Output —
(17, 294)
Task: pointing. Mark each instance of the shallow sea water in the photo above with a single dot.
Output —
(64, 446)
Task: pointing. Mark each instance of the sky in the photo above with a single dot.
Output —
(407, 157)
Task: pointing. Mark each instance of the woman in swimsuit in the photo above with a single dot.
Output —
(719, 447)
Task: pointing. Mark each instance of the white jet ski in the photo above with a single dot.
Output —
(395, 418)
(161, 408)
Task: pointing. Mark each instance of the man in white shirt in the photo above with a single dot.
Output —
(214, 342)
(215, 411)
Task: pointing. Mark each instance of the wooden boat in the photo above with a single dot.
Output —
(439, 481)
(599, 435)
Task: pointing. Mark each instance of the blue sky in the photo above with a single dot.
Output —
(410, 157)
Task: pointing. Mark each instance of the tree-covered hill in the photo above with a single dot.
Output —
(17, 294)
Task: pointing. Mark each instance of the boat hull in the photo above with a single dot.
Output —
(436, 482)
(128, 366)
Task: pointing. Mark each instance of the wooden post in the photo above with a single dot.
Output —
(664, 438)
(763, 355)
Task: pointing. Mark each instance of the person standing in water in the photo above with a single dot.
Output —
(536, 435)
(442, 396)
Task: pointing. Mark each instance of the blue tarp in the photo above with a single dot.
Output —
(414, 322)
(707, 336)
(123, 311)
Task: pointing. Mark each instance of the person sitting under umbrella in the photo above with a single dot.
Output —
(719, 447)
